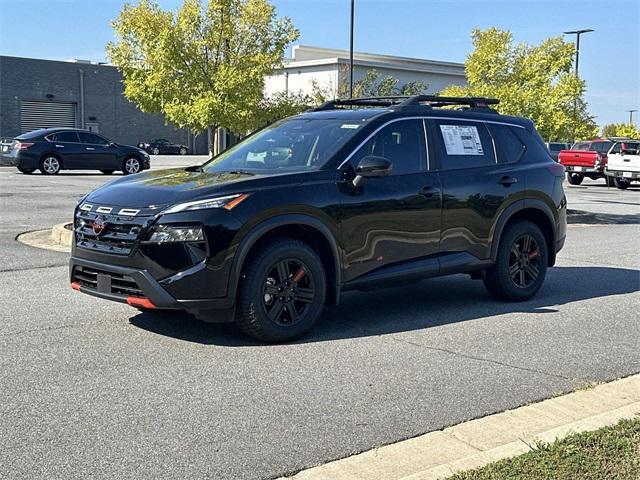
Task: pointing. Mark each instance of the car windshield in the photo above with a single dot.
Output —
(293, 145)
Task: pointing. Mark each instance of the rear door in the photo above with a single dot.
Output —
(67, 145)
(478, 181)
(97, 152)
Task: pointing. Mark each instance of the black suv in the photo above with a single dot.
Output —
(355, 194)
(53, 149)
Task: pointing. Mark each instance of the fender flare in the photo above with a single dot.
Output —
(257, 231)
(510, 211)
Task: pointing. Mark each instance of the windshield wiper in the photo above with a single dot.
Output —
(194, 168)
(239, 172)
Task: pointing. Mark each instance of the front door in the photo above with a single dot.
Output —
(478, 182)
(97, 152)
(396, 218)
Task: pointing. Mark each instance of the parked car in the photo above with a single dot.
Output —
(556, 147)
(53, 149)
(624, 163)
(586, 159)
(392, 191)
(162, 146)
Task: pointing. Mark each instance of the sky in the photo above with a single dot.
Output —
(432, 29)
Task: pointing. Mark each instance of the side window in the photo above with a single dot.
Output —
(69, 137)
(509, 148)
(91, 138)
(402, 143)
(616, 148)
(462, 144)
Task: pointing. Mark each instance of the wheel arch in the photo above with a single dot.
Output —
(310, 230)
(534, 211)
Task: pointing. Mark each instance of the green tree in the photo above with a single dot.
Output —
(202, 66)
(533, 81)
(628, 130)
(373, 84)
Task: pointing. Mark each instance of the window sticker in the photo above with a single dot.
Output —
(349, 125)
(461, 140)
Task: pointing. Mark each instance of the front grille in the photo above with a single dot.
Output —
(119, 235)
(106, 282)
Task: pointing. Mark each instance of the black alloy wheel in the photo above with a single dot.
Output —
(575, 178)
(524, 259)
(282, 291)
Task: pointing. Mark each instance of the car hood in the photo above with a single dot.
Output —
(166, 187)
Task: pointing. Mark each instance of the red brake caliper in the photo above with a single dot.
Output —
(298, 275)
(533, 254)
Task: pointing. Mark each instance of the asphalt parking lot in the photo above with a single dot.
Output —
(89, 388)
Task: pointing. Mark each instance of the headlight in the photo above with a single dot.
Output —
(228, 203)
(168, 233)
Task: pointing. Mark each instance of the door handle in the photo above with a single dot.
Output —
(60, 146)
(89, 148)
(507, 181)
(428, 191)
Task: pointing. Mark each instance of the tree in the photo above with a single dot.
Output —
(533, 81)
(202, 66)
(628, 130)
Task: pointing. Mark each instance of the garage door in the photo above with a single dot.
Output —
(34, 115)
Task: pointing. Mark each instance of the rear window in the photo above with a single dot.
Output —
(556, 147)
(601, 146)
(31, 135)
(581, 146)
(509, 147)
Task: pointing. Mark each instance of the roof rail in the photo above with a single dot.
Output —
(403, 101)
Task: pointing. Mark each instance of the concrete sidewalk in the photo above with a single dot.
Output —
(478, 442)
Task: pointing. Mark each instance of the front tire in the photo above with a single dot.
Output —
(50, 165)
(621, 184)
(131, 165)
(26, 171)
(183, 151)
(575, 178)
(521, 263)
(282, 292)
(155, 151)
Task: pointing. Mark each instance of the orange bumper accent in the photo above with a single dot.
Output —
(75, 285)
(140, 302)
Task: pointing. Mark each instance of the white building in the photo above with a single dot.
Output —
(329, 69)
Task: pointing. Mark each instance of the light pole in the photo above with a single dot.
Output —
(351, 53)
(577, 33)
(631, 116)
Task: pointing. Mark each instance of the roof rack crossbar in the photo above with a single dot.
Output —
(407, 101)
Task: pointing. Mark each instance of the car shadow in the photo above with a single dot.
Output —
(426, 304)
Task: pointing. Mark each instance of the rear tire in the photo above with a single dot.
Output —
(521, 263)
(284, 276)
(155, 151)
(107, 172)
(50, 165)
(621, 184)
(610, 181)
(575, 178)
(26, 171)
(183, 151)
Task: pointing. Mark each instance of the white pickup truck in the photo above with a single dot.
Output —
(623, 164)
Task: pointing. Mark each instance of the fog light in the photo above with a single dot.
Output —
(167, 233)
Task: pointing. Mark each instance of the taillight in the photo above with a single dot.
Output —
(23, 145)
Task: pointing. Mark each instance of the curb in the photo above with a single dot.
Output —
(60, 234)
(473, 444)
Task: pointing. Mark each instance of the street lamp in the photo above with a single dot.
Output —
(631, 116)
(577, 33)
(351, 53)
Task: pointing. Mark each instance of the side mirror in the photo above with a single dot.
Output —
(371, 166)
(113, 145)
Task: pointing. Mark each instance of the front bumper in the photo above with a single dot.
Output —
(137, 288)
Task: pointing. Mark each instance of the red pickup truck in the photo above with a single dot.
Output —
(586, 159)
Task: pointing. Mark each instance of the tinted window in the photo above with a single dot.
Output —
(556, 147)
(509, 147)
(581, 146)
(91, 138)
(616, 148)
(66, 137)
(402, 143)
(605, 146)
(463, 144)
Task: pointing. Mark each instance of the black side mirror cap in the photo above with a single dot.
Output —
(371, 166)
